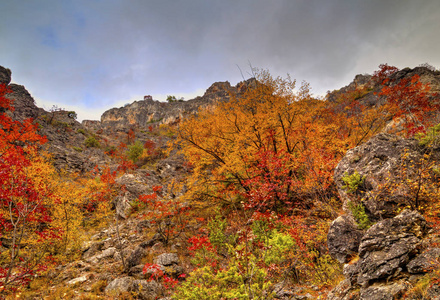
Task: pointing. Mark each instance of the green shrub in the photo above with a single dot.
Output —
(278, 245)
(79, 149)
(431, 137)
(228, 283)
(353, 181)
(135, 151)
(72, 114)
(91, 142)
(217, 227)
(360, 215)
(82, 131)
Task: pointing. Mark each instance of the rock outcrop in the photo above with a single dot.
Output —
(386, 260)
(370, 96)
(5, 75)
(379, 161)
(66, 136)
(144, 113)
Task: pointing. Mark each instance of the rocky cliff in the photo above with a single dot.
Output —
(385, 254)
(143, 113)
(66, 136)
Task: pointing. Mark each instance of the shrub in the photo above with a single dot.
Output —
(431, 137)
(82, 131)
(135, 151)
(91, 142)
(353, 181)
(360, 215)
(72, 114)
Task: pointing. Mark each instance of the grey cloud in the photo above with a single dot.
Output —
(98, 53)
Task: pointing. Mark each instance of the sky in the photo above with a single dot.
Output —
(93, 55)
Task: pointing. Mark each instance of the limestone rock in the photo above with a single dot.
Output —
(146, 290)
(384, 292)
(169, 263)
(425, 262)
(144, 113)
(135, 257)
(343, 239)
(122, 205)
(344, 291)
(5, 75)
(167, 259)
(77, 280)
(23, 103)
(136, 184)
(379, 160)
(388, 246)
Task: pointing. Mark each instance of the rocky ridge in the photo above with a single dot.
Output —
(428, 75)
(144, 113)
(66, 136)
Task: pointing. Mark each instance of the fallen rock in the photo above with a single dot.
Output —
(77, 280)
(167, 259)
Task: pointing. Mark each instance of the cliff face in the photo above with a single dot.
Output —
(385, 253)
(143, 113)
(65, 135)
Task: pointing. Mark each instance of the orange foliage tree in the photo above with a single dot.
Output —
(272, 139)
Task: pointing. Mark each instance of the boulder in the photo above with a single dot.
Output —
(146, 290)
(388, 246)
(427, 261)
(122, 204)
(343, 239)
(379, 161)
(135, 257)
(169, 264)
(384, 291)
(167, 259)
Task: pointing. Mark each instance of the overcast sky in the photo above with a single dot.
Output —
(92, 55)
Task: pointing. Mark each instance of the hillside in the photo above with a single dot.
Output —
(253, 191)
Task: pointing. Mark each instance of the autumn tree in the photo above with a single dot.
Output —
(236, 146)
(410, 101)
(24, 213)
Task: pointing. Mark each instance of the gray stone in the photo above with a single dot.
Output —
(135, 257)
(343, 239)
(387, 246)
(379, 160)
(124, 284)
(425, 262)
(145, 113)
(146, 290)
(77, 280)
(122, 205)
(167, 259)
(5, 75)
(93, 249)
(384, 292)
